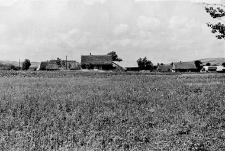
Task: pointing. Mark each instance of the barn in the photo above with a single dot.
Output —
(184, 67)
(100, 62)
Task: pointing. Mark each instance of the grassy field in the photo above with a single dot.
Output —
(111, 111)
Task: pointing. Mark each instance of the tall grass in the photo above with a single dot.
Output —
(111, 111)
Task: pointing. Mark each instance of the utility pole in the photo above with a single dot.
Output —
(66, 62)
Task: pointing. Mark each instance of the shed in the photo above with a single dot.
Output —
(100, 62)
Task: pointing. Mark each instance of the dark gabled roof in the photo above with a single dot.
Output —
(96, 60)
(164, 68)
(52, 66)
(184, 65)
(43, 65)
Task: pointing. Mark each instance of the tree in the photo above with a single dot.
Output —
(223, 64)
(114, 56)
(69, 66)
(26, 64)
(144, 64)
(59, 62)
(63, 63)
(218, 13)
(198, 64)
(208, 64)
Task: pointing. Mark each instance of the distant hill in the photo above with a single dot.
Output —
(16, 63)
(212, 61)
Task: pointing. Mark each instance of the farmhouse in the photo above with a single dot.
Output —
(100, 62)
(184, 67)
(164, 68)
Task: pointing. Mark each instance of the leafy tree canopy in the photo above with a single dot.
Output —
(208, 64)
(144, 64)
(114, 56)
(223, 64)
(26, 64)
(216, 11)
(198, 64)
(59, 62)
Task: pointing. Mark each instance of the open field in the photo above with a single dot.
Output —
(111, 111)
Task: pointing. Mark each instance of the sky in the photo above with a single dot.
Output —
(163, 31)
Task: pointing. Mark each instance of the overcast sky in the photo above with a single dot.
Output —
(163, 31)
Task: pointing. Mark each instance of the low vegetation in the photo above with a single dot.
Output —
(111, 111)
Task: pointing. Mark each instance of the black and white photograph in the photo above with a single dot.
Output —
(112, 75)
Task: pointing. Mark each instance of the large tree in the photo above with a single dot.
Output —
(198, 64)
(114, 56)
(144, 64)
(26, 64)
(217, 11)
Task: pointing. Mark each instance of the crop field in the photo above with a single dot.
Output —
(78, 111)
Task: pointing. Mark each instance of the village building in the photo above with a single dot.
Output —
(52, 65)
(71, 65)
(220, 69)
(164, 68)
(213, 69)
(99, 62)
(184, 67)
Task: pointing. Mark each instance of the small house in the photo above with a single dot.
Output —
(99, 62)
(184, 67)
